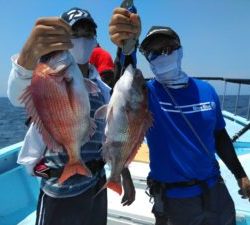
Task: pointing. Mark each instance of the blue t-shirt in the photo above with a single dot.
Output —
(176, 154)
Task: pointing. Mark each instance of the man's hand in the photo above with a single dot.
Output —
(244, 184)
(128, 187)
(49, 34)
(124, 25)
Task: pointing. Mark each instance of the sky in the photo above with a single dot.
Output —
(215, 34)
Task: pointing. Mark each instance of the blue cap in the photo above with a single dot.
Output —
(76, 14)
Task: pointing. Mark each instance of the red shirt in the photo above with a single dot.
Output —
(101, 59)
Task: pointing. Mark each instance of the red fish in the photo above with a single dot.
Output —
(58, 102)
(127, 120)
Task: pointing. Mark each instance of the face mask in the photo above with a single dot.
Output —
(167, 69)
(82, 49)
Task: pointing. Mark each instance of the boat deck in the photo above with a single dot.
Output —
(20, 208)
(140, 211)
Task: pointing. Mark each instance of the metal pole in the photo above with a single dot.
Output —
(248, 110)
(223, 97)
(237, 100)
(241, 132)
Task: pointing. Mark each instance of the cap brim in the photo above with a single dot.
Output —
(152, 35)
(84, 19)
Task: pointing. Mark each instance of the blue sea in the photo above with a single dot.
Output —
(13, 128)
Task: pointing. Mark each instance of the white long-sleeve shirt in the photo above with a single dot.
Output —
(34, 146)
(19, 79)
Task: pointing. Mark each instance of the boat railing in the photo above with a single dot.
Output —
(226, 81)
(239, 83)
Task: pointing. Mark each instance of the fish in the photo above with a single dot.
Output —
(127, 121)
(57, 100)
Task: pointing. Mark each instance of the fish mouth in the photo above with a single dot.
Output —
(60, 70)
(59, 61)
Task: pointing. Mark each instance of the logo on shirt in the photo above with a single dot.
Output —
(193, 108)
(204, 107)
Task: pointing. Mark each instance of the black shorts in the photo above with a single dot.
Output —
(218, 209)
(83, 209)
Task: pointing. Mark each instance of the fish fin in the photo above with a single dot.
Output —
(135, 149)
(73, 169)
(147, 123)
(110, 115)
(26, 98)
(102, 189)
(101, 112)
(92, 88)
(128, 112)
(115, 186)
(139, 137)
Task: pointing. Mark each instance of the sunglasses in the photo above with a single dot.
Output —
(159, 45)
(153, 54)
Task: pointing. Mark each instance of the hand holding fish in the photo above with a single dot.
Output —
(124, 25)
(49, 34)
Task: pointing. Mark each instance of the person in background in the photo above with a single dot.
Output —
(74, 202)
(104, 64)
(188, 129)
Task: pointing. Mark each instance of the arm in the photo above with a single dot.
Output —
(124, 25)
(19, 79)
(128, 187)
(48, 35)
(226, 152)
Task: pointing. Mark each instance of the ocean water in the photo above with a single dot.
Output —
(12, 123)
(13, 128)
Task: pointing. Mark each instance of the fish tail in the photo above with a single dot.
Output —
(115, 186)
(102, 189)
(73, 169)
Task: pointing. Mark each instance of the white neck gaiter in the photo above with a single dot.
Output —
(82, 49)
(167, 69)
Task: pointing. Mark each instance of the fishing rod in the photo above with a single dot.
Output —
(129, 45)
(128, 50)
